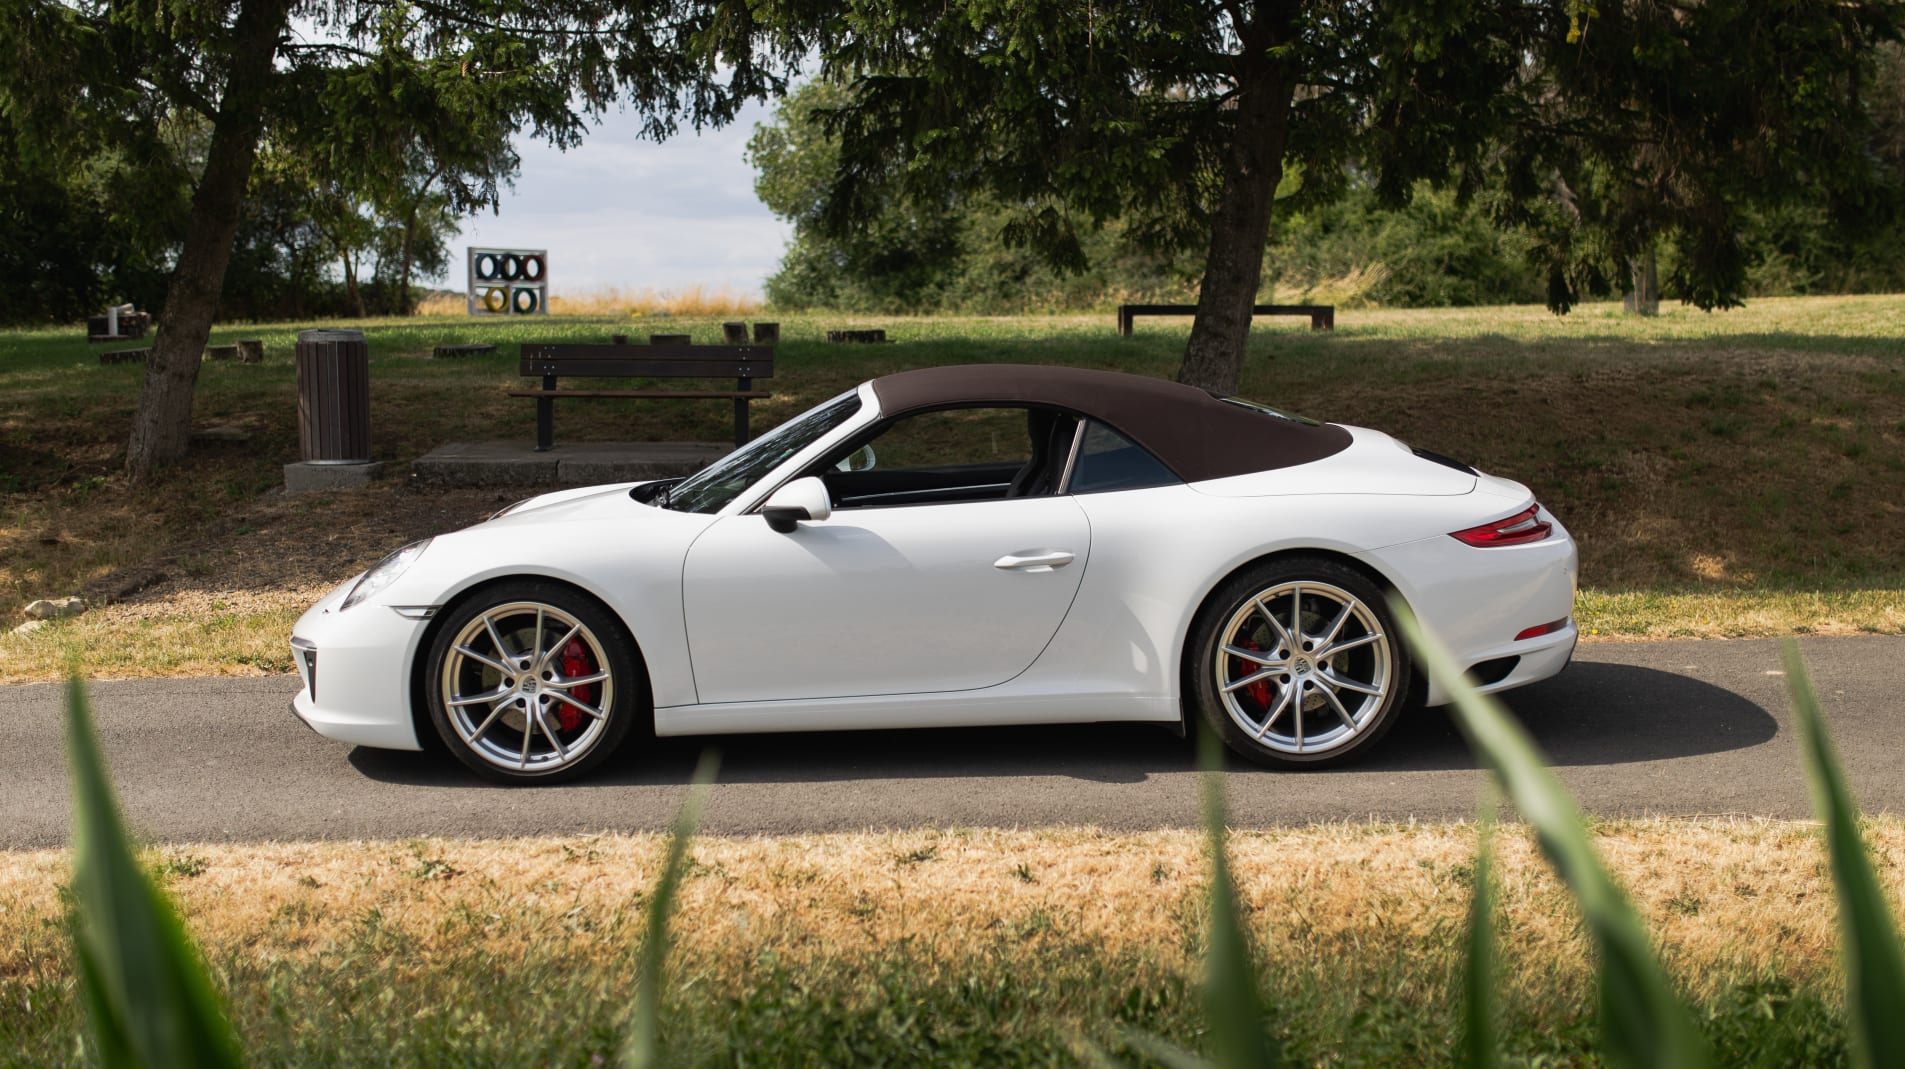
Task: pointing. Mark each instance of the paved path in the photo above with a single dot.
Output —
(1664, 728)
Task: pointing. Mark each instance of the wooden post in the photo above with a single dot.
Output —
(734, 333)
(767, 333)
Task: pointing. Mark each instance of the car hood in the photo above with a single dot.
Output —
(1374, 463)
(586, 502)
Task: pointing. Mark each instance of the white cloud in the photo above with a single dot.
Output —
(622, 212)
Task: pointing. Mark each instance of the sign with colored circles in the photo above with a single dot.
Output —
(509, 281)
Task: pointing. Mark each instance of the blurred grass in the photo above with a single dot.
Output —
(1739, 473)
(1643, 1022)
(840, 949)
(1874, 959)
(149, 1003)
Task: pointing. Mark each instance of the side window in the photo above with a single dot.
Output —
(955, 454)
(1108, 460)
(955, 437)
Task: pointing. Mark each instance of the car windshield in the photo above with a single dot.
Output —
(711, 488)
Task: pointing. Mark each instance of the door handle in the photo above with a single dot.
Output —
(1038, 561)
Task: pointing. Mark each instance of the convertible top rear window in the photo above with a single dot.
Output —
(1268, 411)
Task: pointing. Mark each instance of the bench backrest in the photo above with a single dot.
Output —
(648, 361)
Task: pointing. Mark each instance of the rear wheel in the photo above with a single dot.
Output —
(532, 682)
(1298, 663)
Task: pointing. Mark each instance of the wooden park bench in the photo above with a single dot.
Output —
(1322, 316)
(675, 360)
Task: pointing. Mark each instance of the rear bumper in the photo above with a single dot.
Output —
(1477, 600)
(1536, 659)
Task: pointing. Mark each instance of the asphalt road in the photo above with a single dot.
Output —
(1635, 729)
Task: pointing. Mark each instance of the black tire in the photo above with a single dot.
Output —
(1305, 715)
(487, 268)
(528, 307)
(491, 721)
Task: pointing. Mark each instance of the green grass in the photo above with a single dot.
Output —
(1727, 474)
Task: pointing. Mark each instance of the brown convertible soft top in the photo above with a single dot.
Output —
(1196, 434)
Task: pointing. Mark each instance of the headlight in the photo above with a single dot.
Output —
(384, 573)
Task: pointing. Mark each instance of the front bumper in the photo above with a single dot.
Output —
(355, 667)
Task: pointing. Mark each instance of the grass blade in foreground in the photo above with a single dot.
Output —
(1478, 978)
(1230, 983)
(642, 1049)
(141, 980)
(1643, 1022)
(1874, 962)
(1235, 1016)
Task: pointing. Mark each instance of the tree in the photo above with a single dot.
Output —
(1680, 123)
(947, 255)
(1180, 117)
(379, 74)
(1184, 117)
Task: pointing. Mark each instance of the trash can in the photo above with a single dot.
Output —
(333, 397)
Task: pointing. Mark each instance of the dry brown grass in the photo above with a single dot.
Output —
(696, 300)
(1725, 900)
(221, 601)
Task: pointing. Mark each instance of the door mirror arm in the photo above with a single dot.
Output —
(784, 518)
(803, 499)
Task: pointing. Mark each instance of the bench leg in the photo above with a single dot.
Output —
(1124, 322)
(740, 413)
(1325, 320)
(546, 417)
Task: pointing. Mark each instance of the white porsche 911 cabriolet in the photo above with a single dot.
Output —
(979, 545)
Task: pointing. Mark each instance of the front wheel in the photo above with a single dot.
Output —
(1297, 663)
(532, 682)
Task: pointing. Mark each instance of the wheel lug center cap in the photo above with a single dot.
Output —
(1303, 666)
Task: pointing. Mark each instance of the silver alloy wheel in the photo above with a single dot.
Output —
(527, 687)
(1303, 667)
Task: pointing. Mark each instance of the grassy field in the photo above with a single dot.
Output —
(984, 948)
(1741, 473)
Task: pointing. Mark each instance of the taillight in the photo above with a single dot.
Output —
(1522, 527)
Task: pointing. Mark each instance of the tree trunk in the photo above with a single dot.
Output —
(162, 426)
(409, 236)
(403, 269)
(1644, 297)
(351, 292)
(1240, 227)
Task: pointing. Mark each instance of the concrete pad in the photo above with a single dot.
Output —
(575, 464)
(306, 477)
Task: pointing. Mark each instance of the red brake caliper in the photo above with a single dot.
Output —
(1259, 690)
(575, 662)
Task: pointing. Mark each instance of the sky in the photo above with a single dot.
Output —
(620, 212)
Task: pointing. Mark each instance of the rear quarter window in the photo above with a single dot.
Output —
(1108, 461)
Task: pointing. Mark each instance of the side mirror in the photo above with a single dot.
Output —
(802, 499)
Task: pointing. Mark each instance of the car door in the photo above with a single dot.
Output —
(899, 600)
